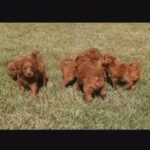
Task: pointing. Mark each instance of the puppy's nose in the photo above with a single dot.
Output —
(29, 73)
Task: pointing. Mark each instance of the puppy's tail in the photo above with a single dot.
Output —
(35, 53)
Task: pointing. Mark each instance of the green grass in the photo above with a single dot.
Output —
(65, 109)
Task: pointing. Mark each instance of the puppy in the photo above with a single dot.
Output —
(32, 73)
(68, 68)
(91, 79)
(27, 77)
(129, 73)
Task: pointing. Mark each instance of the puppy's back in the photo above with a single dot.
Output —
(92, 55)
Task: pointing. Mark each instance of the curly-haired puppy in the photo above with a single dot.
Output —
(91, 78)
(68, 67)
(32, 73)
(129, 73)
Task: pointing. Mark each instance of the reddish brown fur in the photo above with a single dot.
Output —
(41, 67)
(91, 77)
(130, 73)
(68, 70)
(12, 68)
(27, 77)
(91, 54)
(29, 71)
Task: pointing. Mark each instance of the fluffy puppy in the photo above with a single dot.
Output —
(91, 79)
(27, 77)
(128, 73)
(32, 73)
(68, 67)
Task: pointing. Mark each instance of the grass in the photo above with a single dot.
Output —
(65, 109)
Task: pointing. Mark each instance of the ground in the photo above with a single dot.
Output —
(65, 109)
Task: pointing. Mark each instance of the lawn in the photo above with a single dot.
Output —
(58, 108)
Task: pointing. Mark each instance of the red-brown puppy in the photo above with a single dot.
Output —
(27, 77)
(130, 73)
(91, 78)
(32, 73)
(68, 67)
